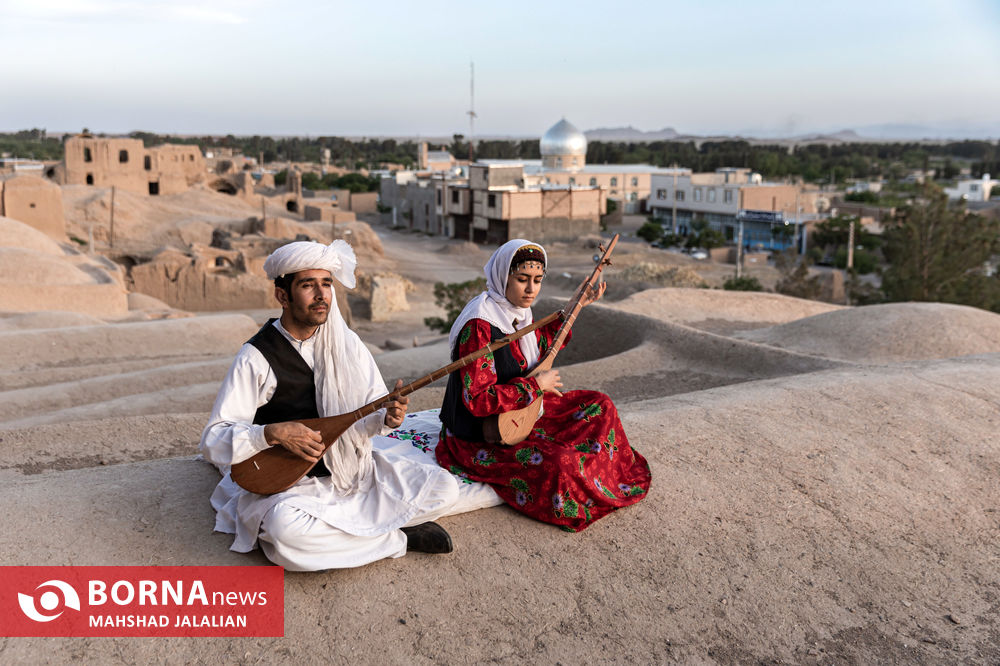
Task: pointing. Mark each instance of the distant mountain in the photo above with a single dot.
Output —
(845, 136)
(899, 132)
(630, 134)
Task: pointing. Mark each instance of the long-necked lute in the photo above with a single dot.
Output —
(275, 469)
(514, 426)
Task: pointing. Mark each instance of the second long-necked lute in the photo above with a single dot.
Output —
(514, 426)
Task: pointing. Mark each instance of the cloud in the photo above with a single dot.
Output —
(213, 12)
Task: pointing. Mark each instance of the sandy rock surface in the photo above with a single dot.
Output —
(824, 484)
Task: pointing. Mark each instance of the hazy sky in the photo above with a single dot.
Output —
(771, 67)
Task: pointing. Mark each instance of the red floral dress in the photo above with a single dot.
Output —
(574, 468)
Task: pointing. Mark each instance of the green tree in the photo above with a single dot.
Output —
(864, 262)
(650, 231)
(742, 284)
(452, 297)
(704, 236)
(862, 197)
(937, 252)
(311, 181)
(795, 279)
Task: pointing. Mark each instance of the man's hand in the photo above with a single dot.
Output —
(395, 410)
(302, 441)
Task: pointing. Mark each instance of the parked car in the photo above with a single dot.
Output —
(699, 254)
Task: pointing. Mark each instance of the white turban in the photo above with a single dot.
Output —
(337, 257)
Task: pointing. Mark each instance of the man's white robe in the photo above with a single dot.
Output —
(313, 525)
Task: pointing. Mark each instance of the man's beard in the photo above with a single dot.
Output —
(313, 316)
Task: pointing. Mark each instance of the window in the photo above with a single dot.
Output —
(679, 195)
(491, 200)
(87, 156)
(191, 157)
(634, 196)
(147, 163)
(614, 182)
(439, 197)
(90, 179)
(427, 210)
(614, 191)
(572, 181)
(454, 196)
(574, 161)
(635, 181)
(593, 182)
(711, 195)
(558, 161)
(697, 194)
(123, 156)
(727, 196)
(661, 194)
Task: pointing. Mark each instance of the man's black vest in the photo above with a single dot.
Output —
(295, 396)
(454, 414)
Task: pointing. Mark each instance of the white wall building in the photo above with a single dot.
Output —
(972, 189)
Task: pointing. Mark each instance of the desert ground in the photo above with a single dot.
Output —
(824, 477)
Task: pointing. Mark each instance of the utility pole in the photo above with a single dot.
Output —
(850, 246)
(739, 237)
(674, 222)
(850, 262)
(796, 236)
(472, 106)
(739, 250)
(111, 234)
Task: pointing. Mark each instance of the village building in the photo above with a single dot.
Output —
(434, 160)
(127, 164)
(11, 165)
(35, 202)
(973, 189)
(558, 197)
(729, 198)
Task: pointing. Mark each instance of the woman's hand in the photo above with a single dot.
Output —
(549, 382)
(590, 294)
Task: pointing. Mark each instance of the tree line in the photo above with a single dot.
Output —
(816, 163)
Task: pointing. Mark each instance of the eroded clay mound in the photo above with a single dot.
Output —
(694, 307)
(20, 235)
(888, 333)
(45, 320)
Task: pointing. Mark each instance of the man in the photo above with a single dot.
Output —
(355, 505)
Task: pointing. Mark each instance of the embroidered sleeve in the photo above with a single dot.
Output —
(481, 393)
(547, 334)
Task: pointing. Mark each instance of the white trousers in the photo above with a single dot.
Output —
(297, 541)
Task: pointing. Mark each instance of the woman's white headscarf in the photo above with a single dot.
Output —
(345, 374)
(492, 305)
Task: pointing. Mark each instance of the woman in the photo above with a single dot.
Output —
(577, 465)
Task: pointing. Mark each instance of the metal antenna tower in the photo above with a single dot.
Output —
(472, 105)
